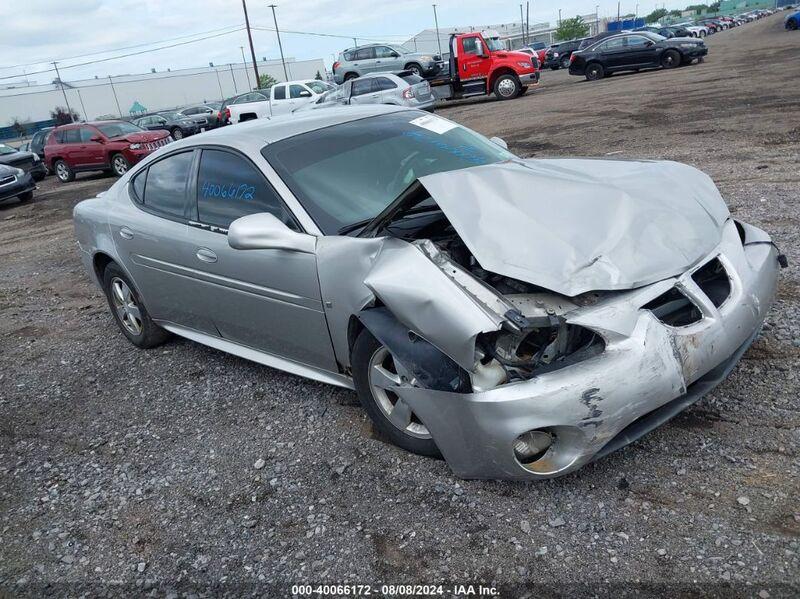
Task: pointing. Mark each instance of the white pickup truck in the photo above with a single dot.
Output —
(281, 98)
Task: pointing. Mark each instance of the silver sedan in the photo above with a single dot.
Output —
(519, 318)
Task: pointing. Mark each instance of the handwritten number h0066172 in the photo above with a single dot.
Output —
(230, 191)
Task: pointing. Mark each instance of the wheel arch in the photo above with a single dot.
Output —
(499, 72)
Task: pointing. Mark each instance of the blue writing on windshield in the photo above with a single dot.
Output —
(463, 151)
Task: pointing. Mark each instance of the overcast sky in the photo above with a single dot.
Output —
(47, 30)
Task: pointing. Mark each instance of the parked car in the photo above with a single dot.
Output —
(402, 89)
(695, 30)
(179, 126)
(596, 38)
(38, 141)
(204, 115)
(372, 58)
(677, 31)
(15, 183)
(112, 146)
(27, 161)
(282, 98)
(635, 51)
(534, 54)
(557, 55)
(399, 254)
(792, 21)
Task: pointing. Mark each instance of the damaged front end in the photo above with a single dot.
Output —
(518, 381)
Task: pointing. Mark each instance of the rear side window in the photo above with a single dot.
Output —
(384, 83)
(229, 187)
(364, 54)
(164, 189)
(72, 136)
(411, 79)
(348, 55)
(280, 92)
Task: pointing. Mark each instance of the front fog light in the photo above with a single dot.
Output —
(532, 445)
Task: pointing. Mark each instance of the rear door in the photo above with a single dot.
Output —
(73, 154)
(614, 52)
(364, 60)
(264, 299)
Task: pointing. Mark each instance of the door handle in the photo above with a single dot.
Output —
(126, 233)
(206, 255)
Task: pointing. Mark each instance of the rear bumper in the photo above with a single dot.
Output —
(38, 171)
(648, 372)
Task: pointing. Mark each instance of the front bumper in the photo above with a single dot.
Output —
(21, 184)
(697, 52)
(648, 372)
(529, 78)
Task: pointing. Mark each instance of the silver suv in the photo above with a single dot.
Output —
(355, 62)
(401, 89)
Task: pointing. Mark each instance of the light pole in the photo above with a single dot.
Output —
(522, 24)
(233, 78)
(63, 91)
(221, 93)
(596, 19)
(280, 47)
(559, 17)
(436, 20)
(252, 50)
(246, 72)
(114, 91)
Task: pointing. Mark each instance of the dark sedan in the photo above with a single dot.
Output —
(635, 51)
(179, 126)
(15, 183)
(29, 162)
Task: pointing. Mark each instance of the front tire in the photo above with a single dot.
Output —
(594, 71)
(374, 373)
(507, 87)
(792, 25)
(414, 68)
(128, 310)
(177, 134)
(671, 59)
(119, 164)
(565, 62)
(63, 171)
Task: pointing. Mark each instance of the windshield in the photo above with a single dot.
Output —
(4, 149)
(319, 87)
(172, 116)
(495, 44)
(118, 129)
(348, 173)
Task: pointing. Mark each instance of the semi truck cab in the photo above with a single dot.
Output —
(480, 65)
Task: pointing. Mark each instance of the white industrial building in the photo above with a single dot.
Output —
(124, 94)
(512, 33)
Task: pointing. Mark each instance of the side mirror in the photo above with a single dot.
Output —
(649, 43)
(394, 55)
(500, 142)
(305, 93)
(263, 231)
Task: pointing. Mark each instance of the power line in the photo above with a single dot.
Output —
(99, 60)
(170, 39)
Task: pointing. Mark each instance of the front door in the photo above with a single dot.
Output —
(474, 58)
(91, 152)
(641, 51)
(268, 300)
(387, 60)
(364, 91)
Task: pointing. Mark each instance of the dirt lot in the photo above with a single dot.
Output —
(137, 468)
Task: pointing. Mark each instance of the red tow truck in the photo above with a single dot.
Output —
(480, 65)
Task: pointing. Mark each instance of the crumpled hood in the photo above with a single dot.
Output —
(578, 225)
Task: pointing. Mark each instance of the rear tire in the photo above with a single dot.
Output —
(128, 310)
(594, 71)
(63, 171)
(368, 354)
(671, 59)
(507, 87)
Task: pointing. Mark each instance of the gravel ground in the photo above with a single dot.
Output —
(184, 469)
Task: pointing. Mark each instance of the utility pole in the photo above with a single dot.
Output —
(233, 77)
(528, 21)
(280, 47)
(114, 91)
(250, 39)
(596, 19)
(438, 39)
(522, 24)
(246, 72)
(85, 114)
(559, 17)
(63, 91)
(618, 9)
(221, 93)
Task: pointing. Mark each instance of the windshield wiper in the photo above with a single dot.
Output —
(353, 226)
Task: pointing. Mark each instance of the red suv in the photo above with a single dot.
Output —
(100, 146)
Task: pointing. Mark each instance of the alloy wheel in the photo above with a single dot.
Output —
(120, 165)
(383, 375)
(61, 171)
(126, 307)
(177, 134)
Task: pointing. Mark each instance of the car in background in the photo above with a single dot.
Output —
(588, 41)
(557, 56)
(534, 54)
(204, 115)
(400, 89)
(15, 183)
(112, 146)
(178, 125)
(281, 98)
(635, 51)
(792, 21)
(676, 31)
(372, 58)
(694, 30)
(22, 159)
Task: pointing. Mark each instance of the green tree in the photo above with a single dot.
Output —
(62, 116)
(656, 15)
(265, 81)
(570, 29)
(675, 13)
(318, 76)
(18, 128)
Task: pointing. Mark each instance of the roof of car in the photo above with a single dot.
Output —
(92, 123)
(257, 132)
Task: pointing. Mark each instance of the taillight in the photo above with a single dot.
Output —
(571, 58)
(336, 65)
(227, 114)
(408, 93)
